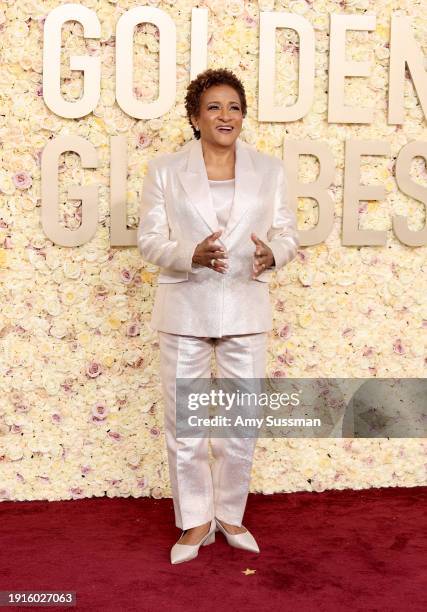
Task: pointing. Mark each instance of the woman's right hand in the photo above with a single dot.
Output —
(207, 250)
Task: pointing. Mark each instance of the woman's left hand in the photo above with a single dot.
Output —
(263, 256)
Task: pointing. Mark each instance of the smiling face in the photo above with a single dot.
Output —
(220, 106)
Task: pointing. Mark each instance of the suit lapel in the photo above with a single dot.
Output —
(195, 183)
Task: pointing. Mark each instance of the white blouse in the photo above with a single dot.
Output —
(222, 196)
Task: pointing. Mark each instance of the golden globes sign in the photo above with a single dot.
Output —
(402, 56)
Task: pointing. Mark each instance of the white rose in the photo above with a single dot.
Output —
(71, 269)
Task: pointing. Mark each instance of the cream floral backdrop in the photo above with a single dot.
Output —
(80, 398)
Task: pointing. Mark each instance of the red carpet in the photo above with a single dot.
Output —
(335, 550)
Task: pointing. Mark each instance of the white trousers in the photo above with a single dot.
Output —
(201, 491)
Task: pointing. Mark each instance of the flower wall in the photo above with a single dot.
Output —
(80, 397)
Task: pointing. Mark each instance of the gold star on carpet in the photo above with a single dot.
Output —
(248, 571)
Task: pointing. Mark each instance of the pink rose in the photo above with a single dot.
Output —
(99, 412)
(285, 332)
(115, 435)
(249, 20)
(398, 347)
(77, 492)
(126, 276)
(133, 330)
(22, 180)
(143, 141)
(93, 370)
(278, 374)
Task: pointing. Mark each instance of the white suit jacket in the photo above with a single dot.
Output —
(177, 213)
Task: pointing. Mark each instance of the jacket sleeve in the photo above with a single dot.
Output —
(282, 237)
(154, 231)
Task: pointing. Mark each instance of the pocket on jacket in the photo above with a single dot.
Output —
(264, 277)
(172, 277)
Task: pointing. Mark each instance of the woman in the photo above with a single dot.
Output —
(215, 219)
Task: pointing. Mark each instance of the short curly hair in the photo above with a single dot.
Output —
(206, 79)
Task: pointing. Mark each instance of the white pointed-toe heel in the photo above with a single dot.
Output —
(186, 552)
(245, 541)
